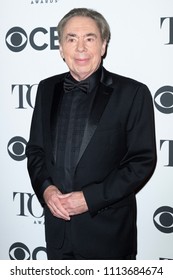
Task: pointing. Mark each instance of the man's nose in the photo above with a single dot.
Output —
(81, 45)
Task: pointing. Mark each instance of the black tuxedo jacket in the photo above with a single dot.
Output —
(116, 159)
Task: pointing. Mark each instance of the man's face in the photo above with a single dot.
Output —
(82, 47)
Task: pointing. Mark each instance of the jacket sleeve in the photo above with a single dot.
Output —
(137, 164)
(35, 152)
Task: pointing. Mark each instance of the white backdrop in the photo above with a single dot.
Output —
(141, 47)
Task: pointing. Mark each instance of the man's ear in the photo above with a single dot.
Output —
(104, 49)
(61, 52)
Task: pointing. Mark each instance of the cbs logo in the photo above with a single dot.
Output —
(163, 99)
(39, 39)
(19, 251)
(16, 148)
(163, 219)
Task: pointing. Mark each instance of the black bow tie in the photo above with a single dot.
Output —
(70, 85)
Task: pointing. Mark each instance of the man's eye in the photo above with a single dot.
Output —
(90, 39)
(70, 40)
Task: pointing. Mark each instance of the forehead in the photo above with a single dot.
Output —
(81, 25)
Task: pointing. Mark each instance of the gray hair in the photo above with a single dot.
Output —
(84, 12)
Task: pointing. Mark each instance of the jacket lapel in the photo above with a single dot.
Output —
(99, 104)
(57, 98)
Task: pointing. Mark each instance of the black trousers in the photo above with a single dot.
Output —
(66, 252)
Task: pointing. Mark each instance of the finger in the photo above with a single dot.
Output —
(59, 211)
(61, 196)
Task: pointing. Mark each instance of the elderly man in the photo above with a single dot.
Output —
(91, 147)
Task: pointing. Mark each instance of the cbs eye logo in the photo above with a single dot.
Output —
(16, 39)
(19, 251)
(163, 219)
(16, 148)
(163, 99)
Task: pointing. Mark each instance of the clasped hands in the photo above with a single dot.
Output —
(64, 205)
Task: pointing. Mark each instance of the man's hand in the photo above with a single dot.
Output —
(74, 203)
(52, 198)
(64, 205)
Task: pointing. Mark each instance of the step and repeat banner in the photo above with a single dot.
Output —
(141, 47)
